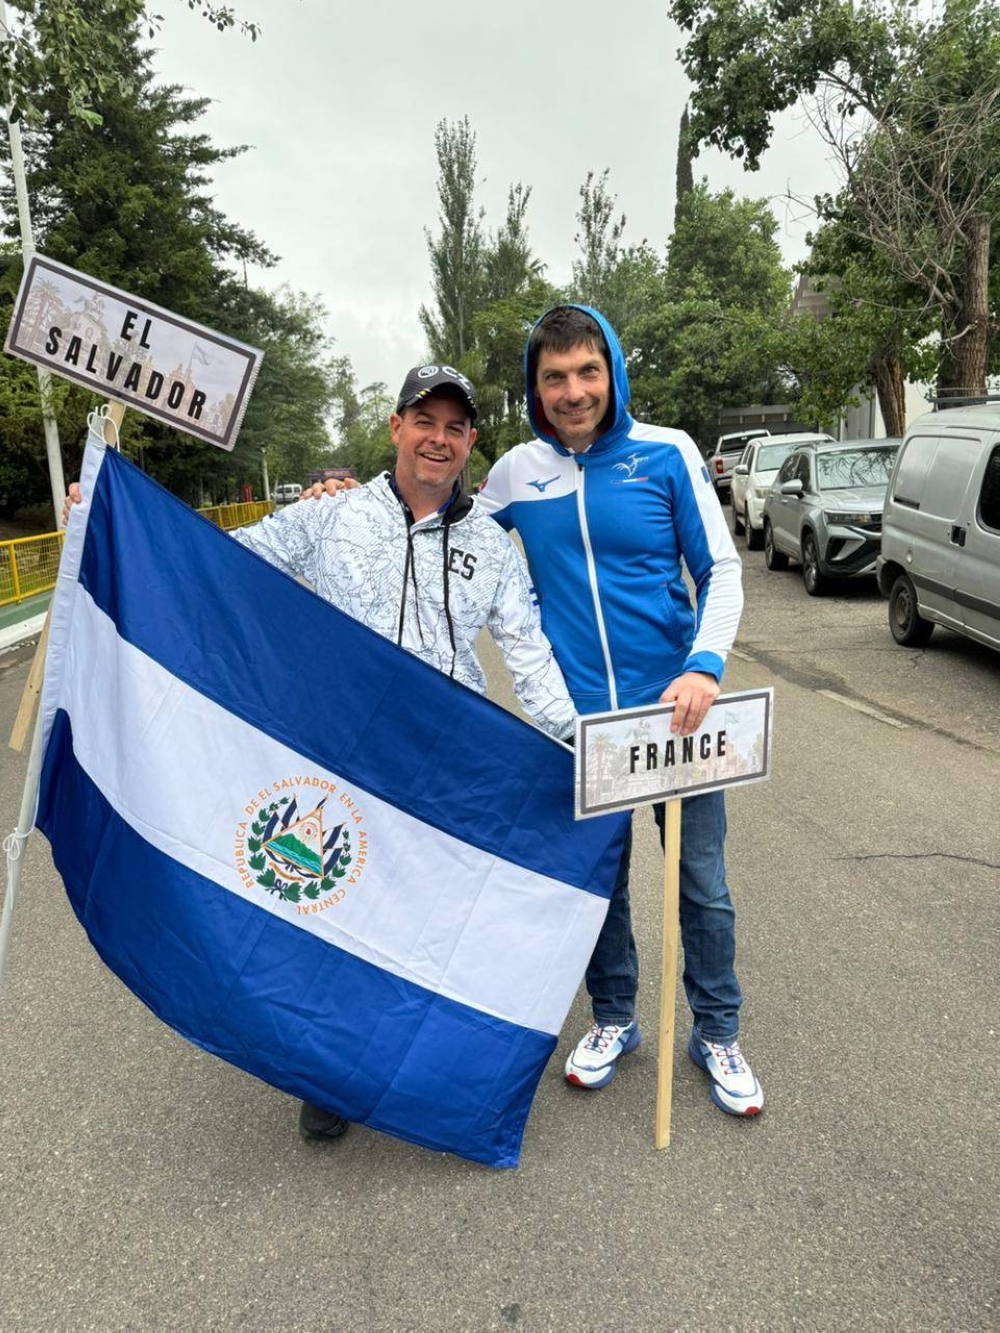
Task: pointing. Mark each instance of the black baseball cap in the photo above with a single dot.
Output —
(422, 381)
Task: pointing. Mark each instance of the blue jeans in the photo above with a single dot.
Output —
(708, 929)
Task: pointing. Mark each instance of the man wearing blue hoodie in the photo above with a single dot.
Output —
(607, 509)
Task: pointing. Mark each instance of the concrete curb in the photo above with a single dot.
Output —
(12, 635)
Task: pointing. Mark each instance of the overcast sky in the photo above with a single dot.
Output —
(340, 102)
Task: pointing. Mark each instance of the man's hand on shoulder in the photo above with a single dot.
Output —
(693, 694)
(331, 487)
(73, 498)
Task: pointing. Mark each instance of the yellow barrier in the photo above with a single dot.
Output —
(28, 566)
(236, 516)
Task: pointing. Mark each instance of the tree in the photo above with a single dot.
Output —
(456, 254)
(365, 444)
(489, 289)
(910, 106)
(79, 47)
(618, 280)
(711, 333)
(726, 246)
(599, 240)
(875, 336)
(685, 167)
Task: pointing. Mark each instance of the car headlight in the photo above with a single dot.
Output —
(853, 520)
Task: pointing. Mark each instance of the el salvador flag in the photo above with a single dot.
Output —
(306, 850)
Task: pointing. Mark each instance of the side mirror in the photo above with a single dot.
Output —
(741, 470)
(793, 487)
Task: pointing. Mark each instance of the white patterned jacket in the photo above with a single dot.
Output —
(429, 586)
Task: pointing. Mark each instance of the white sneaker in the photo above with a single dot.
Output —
(734, 1088)
(592, 1064)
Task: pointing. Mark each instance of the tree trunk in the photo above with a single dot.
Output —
(964, 358)
(891, 389)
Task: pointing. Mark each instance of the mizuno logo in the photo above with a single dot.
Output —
(541, 485)
(629, 467)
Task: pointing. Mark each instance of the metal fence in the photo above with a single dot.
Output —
(28, 565)
(236, 516)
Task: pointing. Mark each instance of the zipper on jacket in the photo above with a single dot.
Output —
(581, 514)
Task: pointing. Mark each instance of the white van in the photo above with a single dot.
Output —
(286, 493)
(940, 557)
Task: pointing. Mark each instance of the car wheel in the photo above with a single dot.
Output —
(812, 576)
(755, 538)
(738, 528)
(773, 558)
(906, 623)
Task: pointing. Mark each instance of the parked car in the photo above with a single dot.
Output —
(752, 478)
(726, 455)
(825, 510)
(286, 492)
(940, 559)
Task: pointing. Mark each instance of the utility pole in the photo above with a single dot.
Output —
(263, 465)
(56, 478)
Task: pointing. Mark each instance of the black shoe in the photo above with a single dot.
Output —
(317, 1124)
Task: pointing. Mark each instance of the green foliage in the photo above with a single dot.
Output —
(725, 248)
(709, 332)
(79, 46)
(689, 358)
(456, 254)
(489, 289)
(684, 183)
(365, 444)
(750, 59)
(906, 96)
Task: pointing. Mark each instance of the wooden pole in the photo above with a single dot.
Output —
(668, 975)
(31, 692)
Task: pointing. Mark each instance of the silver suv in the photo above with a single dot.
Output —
(727, 453)
(825, 510)
(940, 560)
(752, 478)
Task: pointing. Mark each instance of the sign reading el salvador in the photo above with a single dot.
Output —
(306, 850)
(131, 350)
(631, 757)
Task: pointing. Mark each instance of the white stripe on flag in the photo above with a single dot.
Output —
(422, 895)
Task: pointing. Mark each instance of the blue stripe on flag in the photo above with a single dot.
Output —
(278, 1002)
(195, 601)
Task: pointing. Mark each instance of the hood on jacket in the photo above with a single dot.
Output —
(620, 421)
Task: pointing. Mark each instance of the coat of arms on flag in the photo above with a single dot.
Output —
(399, 925)
(294, 856)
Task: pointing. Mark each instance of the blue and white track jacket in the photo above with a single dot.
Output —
(605, 533)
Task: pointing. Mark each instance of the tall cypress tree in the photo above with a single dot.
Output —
(685, 170)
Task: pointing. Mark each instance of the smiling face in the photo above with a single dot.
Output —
(573, 390)
(433, 441)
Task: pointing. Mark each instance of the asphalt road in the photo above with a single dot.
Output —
(145, 1185)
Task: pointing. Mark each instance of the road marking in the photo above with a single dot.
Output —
(863, 708)
(744, 657)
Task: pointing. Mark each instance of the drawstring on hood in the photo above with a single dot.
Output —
(617, 423)
(456, 508)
